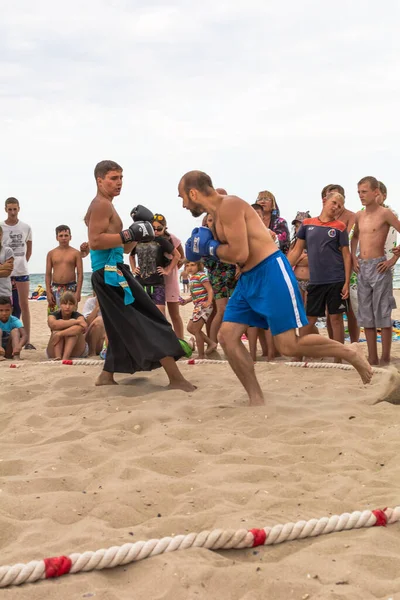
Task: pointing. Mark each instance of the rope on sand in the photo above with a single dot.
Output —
(198, 361)
(217, 539)
(316, 365)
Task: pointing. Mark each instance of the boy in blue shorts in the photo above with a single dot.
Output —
(267, 294)
(12, 332)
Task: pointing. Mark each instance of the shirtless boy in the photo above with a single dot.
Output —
(139, 336)
(375, 284)
(64, 269)
(267, 294)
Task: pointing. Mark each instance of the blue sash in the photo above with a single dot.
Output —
(108, 260)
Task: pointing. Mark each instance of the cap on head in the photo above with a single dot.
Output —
(300, 216)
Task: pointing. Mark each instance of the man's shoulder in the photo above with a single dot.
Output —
(228, 202)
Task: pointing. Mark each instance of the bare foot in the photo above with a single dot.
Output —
(384, 363)
(257, 401)
(16, 356)
(359, 362)
(182, 384)
(192, 343)
(2, 357)
(211, 348)
(56, 358)
(105, 378)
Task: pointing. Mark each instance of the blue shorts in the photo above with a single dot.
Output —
(268, 296)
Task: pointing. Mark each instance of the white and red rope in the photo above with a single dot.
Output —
(217, 539)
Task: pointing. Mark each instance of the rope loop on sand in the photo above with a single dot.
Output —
(197, 361)
(217, 539)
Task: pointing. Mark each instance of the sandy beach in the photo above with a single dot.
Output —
(83, 468)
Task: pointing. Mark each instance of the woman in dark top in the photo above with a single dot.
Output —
(273, 220)
(153, 262)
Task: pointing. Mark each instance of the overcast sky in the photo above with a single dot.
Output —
(286, 96)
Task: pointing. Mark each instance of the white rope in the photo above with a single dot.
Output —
(197, 361)
(217, 539)
(322, 365)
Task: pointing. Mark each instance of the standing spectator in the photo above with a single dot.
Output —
(223, 280)
(347, 217)
(329, 264)
(184, 278)
(375, 283)
(64, 269)
(6, 267)
(18, 236)
(171, 279)
(153, 263)
(391, 240)
(273, 220)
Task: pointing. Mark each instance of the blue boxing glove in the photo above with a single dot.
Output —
(190, 255)
(203, 243)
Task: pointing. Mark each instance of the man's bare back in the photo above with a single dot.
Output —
(64, 264)
(234, 214)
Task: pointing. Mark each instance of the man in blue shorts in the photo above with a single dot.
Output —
(267, 294)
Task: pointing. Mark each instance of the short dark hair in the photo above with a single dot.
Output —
(4, 300)
(332, 187)
(61, 228)
(382, 188)
(199, 181)
(103, 167)
(11, 200)
(257, 207)
(373, 182)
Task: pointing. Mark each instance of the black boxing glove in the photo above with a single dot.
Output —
(138, 232)
(141, 213)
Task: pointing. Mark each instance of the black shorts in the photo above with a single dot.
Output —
(323, 296)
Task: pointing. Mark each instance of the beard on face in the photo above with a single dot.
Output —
(197, 210)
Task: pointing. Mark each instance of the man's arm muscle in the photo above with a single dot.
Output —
(100, 217)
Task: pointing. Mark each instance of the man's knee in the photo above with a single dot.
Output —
(337, 319)
(98, 323)
(286, 345)
(227, 335)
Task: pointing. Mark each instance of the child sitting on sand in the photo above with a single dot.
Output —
(68, 328)
(202, 298)
(12, 333)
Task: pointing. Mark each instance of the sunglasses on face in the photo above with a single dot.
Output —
(158, 228)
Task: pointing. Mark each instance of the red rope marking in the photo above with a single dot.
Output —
(57, 566)
(259, 537)
(191, 361)
(381, 517)
(12, 366)
(67, 362)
